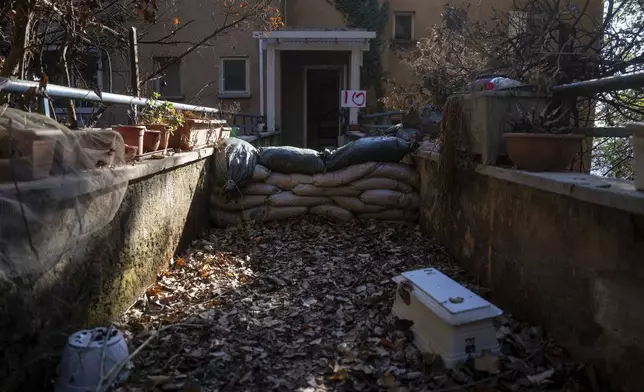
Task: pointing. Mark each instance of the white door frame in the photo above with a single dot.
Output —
(343, 81)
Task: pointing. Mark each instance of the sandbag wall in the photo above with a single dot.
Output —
(274, 190)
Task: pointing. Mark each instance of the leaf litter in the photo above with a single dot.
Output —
(304, 305)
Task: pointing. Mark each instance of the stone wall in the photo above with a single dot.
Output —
(165, 207)
(563, 250)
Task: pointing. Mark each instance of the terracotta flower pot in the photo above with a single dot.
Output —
(165, 134)
(543, 152)
(196, 133)
(131, 134)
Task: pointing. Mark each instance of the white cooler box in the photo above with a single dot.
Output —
(449, 319)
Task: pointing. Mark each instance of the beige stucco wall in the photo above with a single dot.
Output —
(200, 69)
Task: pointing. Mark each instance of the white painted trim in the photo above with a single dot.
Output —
(316, 34)
(235, 93)
(330, 45)
(413, 24)
(271, 95)
(307, 68)
(261, 77)
(354, 84)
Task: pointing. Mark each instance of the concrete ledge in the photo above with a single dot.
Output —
(607, 192)
(81, 183)
(254, 138)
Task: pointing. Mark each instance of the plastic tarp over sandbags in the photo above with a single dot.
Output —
(344, 176)
(397, 171)
(291, 160)
(372, 183)
(288, 199)
(288, 181)
(369, 149)
(312, 190)
(355, 205)
(270, 213)
(235, 162)
(389, 198)
(260, 173)
(332, 211)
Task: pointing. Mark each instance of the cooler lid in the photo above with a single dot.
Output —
(461, 304)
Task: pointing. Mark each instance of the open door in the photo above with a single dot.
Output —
(322, 107)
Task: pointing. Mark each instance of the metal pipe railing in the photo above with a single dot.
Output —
(591, 87)
(55, 91)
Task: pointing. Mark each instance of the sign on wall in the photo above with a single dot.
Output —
(353, 99)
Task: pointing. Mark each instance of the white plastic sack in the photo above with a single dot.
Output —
(355, 205)
(332, 211)
(312, 190)
(288, 199)
(260, 173)
(367, 184)
(288, 181)
(389, 198)
(397, 171)
(344, 176)
(271, 213)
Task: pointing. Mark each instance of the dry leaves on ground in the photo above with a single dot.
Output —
(304, 305)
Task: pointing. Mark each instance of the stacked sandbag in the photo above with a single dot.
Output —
(367, 190)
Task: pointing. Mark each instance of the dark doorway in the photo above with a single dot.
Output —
(322, 107)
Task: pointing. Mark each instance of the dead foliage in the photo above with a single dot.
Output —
(304, 305)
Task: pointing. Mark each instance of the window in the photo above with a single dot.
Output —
(234, 74)
(169, 82)
(403, 26)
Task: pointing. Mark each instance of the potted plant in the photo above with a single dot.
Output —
(160, 117)
(539, 143)
(196, 132)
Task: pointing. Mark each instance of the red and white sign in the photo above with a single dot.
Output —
(353, 99)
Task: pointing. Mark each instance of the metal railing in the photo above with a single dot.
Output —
(382, 120)
(246, 122)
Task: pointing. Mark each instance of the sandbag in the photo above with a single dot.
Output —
(369, 149)
(312, 190)
(392, 215)
(235, 162)
(260, 188)
(288, 199)
(288, 181)
(389, 198)
(242, 203)
(366, 184)
(397, 171)
(332, 211)
(221, 218)
(355, 205)
(270, 213)
(260, 173)
(344, 176)
(288, 160)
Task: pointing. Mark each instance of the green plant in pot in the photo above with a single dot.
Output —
(160, 117)
(538, 142)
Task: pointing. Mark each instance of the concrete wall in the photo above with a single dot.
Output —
(165, 207)
(563, 250)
